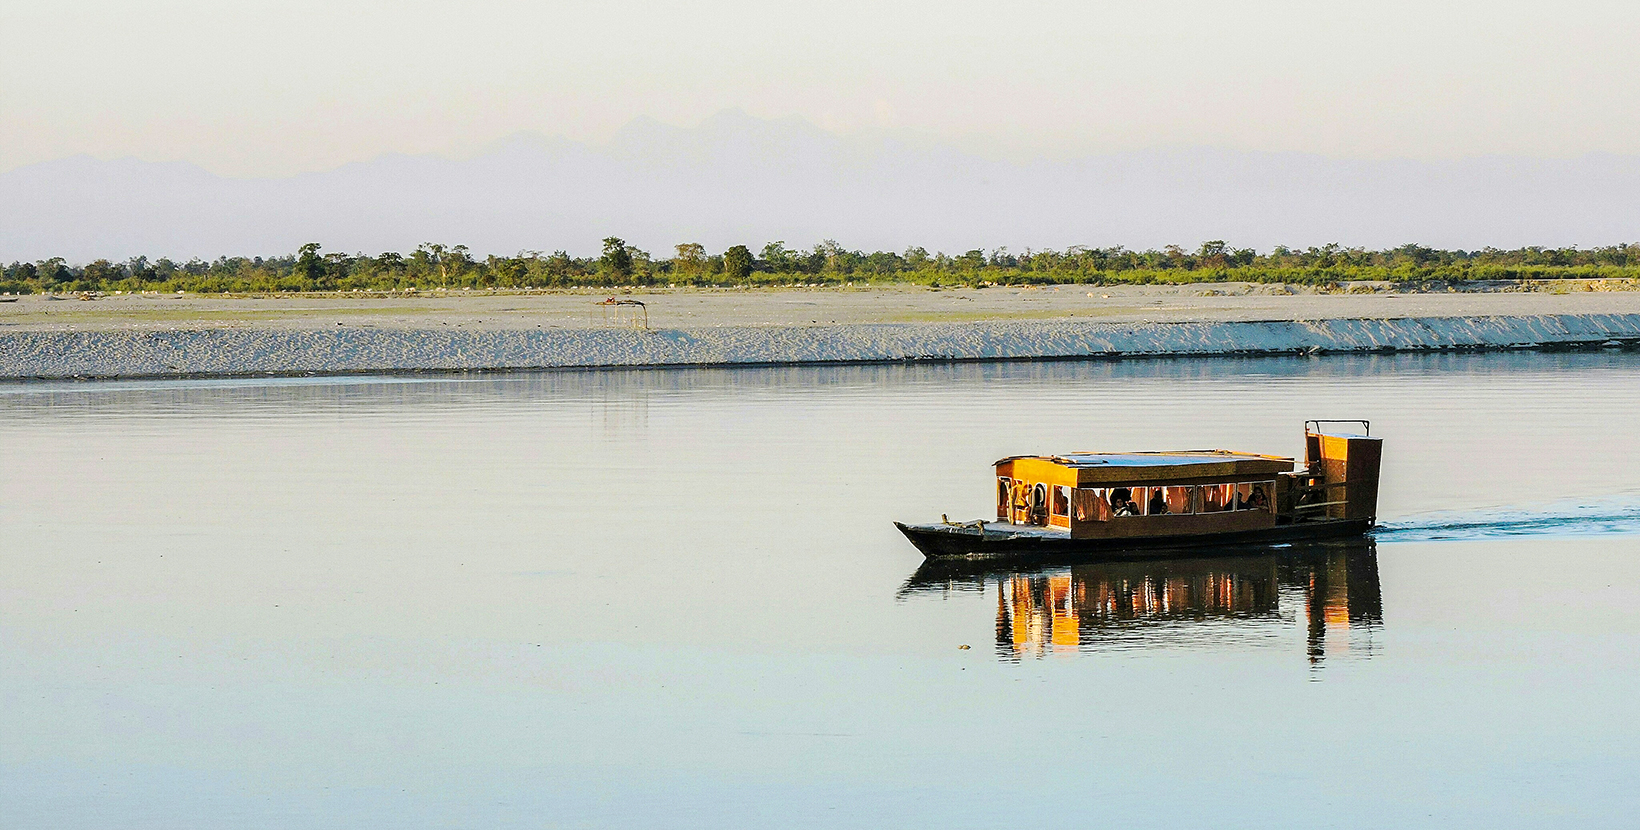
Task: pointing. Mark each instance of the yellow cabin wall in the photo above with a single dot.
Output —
(1031, 472)
(1038, 470)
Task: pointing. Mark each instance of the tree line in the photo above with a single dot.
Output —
(433, 266)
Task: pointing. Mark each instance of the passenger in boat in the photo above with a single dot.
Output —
(1158, 503)
(1258, 501)
(1121, 502)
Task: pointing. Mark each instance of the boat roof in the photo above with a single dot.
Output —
(1088, 468)
(1148, 459)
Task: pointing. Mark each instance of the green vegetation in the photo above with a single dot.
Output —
(441, 266)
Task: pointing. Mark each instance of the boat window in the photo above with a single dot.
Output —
(1061, 500)
(1179, 499)
(1005, 495)
(1120, 500)
(1151, 500)
(1255, 495)
(1089, 505)
(1216, 497)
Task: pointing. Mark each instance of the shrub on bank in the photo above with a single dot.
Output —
(435, 266)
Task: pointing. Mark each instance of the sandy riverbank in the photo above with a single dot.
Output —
(711, 308)
(344, 350)
(160, 336)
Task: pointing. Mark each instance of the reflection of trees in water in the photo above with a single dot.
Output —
(528, 389)
(1204, 602)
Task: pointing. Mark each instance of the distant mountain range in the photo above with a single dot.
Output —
(741, 180)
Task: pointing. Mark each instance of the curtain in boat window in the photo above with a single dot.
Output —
(1215, 497)
(1089, 505)
(1178, 499)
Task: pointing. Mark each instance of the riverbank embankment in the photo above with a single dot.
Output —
(346, 350)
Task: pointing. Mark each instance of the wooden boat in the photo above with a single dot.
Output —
(1120, 505)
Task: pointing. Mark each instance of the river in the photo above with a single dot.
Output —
(674, 598)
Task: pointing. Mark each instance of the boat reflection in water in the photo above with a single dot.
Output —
(1328, 592)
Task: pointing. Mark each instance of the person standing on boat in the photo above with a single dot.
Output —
(1158, 503)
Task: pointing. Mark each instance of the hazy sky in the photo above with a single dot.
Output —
(272, 88)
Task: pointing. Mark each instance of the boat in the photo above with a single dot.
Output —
(1138, 504)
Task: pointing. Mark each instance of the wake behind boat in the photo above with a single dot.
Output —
(1149, 503)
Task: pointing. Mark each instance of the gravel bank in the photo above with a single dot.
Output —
(253, 351)
(691, 309)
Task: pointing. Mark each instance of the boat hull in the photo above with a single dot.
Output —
(1002, 541)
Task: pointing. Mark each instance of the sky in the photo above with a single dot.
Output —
(257, 89)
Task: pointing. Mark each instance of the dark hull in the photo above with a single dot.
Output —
(1015, 543)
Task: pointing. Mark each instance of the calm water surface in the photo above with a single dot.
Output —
(675, 599)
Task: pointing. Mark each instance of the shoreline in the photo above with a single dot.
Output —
(128, 354)
(690, 308)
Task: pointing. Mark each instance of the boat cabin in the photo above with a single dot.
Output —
(1095, 495)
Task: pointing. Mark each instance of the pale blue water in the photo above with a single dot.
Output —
(675, 599)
